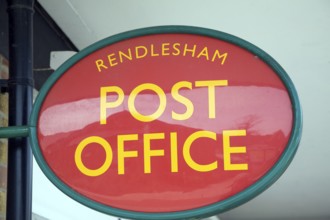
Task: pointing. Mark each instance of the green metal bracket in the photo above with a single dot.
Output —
(14, 131)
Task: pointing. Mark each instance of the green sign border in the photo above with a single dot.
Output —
(268, 179)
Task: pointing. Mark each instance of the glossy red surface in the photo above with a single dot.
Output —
(254, 100)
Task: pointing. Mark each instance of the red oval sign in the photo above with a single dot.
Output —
(166, 121)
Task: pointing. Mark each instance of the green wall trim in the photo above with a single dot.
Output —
(267, 180)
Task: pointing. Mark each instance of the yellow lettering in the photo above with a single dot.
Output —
(99, 63)
(189, 50)
(177, 49)
(122, 54)
(112, 59)
(186, 151)
(108, 156)
(122, 154)
(104, 104)
(162, 102)
(148, 153)
(228, 150)
(189, 105)
(153, 54)
(219, 56)
(165, 49)
(140, 52)
(160, 49)
(204, 53)
(174, 152)
(211, 92)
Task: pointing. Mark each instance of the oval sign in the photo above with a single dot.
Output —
(166, 122)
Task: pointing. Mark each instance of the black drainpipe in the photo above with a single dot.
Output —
(20, 89)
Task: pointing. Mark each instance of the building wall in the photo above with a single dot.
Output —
(3, 142)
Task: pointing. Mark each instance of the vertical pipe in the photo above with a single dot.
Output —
(20, 88)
